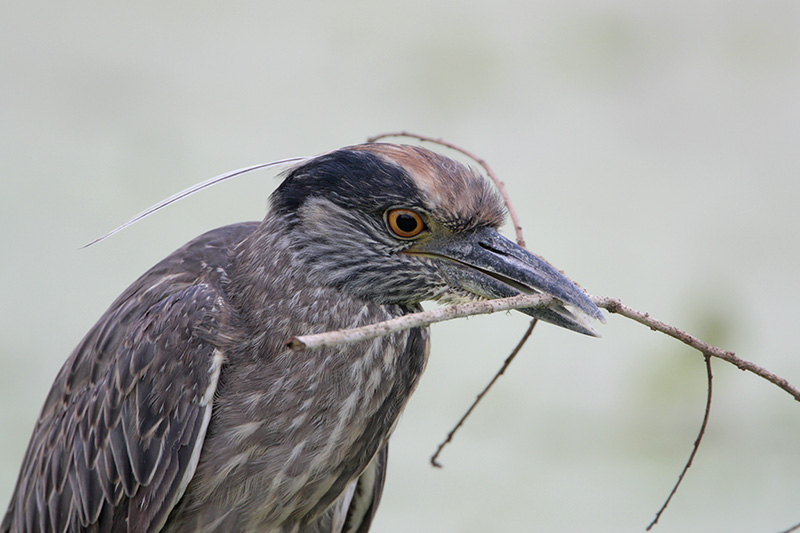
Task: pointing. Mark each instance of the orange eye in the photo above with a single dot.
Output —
(405, 223)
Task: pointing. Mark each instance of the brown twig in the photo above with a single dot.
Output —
(795, 527)
(500, 185)
(481, 394)
(613, 305)
(520, 240)
(696, 446)
(414, 320)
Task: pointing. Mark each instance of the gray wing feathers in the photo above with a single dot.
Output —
(367, 495)
(123, 424)
(355, 508)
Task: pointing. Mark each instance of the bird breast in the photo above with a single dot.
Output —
(298, 427)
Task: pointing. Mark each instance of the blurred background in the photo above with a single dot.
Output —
(652, 152)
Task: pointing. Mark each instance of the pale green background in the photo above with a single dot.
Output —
(652, 148)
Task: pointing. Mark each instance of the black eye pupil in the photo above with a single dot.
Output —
(406, 223)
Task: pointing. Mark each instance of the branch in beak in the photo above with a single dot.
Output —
(488, 265)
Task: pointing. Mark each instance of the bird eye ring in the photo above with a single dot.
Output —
(405, 223)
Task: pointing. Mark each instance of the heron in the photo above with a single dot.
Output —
(183, 410)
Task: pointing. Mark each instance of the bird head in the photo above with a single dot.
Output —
(400, 224)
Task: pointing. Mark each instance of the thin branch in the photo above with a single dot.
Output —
(498, 183)
(520, 240)
(414, 320)
(615, 306)
(696, 446)
(481, 394)
(795, 527)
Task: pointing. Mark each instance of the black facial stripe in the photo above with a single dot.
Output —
(349, 178)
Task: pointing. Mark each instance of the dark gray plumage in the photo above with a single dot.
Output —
(183, 410)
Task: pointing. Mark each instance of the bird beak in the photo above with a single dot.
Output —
(488, 265)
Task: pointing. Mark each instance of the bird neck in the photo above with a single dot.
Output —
(271, 279)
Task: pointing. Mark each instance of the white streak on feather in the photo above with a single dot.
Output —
(206, 401)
